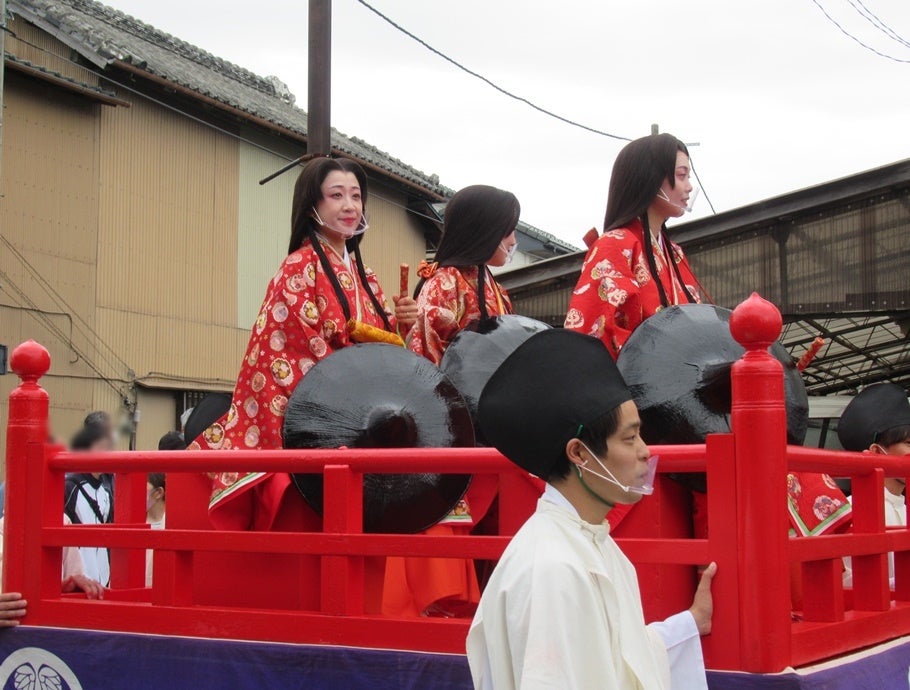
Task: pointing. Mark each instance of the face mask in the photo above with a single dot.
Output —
(661, 194)
(510, 252)
(149, 502)
(346, 234)
(645, 487)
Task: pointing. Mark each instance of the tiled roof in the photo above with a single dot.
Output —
(104, 35)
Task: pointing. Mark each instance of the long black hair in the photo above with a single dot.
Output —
(638, 173)
(477, 219)
(307, 192)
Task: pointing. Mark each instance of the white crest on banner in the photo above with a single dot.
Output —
(33, 668)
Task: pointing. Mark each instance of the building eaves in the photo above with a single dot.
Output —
(793, 204)
(105, 36)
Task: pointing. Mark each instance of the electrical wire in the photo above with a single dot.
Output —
(873, 19)
(38, 315)
(482, 78)
(849, 35)
(701, 186)
(58, 299)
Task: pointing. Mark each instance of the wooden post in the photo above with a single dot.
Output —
(26, 434)
(759, 424)
(319, 82)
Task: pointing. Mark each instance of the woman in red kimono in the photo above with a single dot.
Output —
(454, 291)
(317, 290)
(633, 270)
(458, 288)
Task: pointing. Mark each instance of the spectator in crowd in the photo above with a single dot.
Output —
(172, 440)
(154, 515)
(89, 499)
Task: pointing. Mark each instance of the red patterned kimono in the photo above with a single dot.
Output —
(616, 290)
(300, 322)
(447, 303)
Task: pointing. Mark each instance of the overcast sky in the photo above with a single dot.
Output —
(775, 94)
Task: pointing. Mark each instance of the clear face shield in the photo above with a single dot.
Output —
(644, 483)
(688, 208)
(361, 228)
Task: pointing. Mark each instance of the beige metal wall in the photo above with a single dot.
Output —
(394, 237)
(167, 244)
(264, 225)
(49, 218)
(158, 412)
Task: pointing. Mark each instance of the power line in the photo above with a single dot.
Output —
(874, 19)
(501, 90)
(849, 35)
(701, 186)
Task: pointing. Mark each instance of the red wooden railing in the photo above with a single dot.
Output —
(262, 586)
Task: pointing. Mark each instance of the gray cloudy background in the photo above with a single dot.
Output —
(776, 95)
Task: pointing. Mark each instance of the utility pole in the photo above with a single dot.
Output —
(319, 81)
(2, 70)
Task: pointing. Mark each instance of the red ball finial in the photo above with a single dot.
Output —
(756, 323)
(30, 361)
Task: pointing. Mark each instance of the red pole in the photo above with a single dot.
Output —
(759, 424)
(28, 412)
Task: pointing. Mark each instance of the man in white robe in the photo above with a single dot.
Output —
(562, 609)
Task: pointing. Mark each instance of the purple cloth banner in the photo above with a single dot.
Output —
(38, 658)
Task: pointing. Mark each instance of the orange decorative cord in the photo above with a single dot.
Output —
(426, 269)
(807, 358)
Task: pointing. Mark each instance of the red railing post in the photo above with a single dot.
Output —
(26, 429)
(870, 573)
(128, 565)
(342, 576)
(759, 424)
(722, 647)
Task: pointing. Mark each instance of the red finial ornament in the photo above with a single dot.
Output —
(756, 323)
(30, 361)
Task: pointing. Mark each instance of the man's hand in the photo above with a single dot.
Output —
(80, 583)
(703, 604)
(12, 608)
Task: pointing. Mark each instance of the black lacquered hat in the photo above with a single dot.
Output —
(876, 409)
(544, 393)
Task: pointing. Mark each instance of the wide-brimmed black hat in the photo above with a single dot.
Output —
(677, 364)
(477, 351)
(382, 396)
(876, 409)
(544, 393)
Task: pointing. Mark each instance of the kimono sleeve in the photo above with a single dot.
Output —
(440, 306)
(606, 302)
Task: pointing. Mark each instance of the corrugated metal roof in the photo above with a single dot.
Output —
(104, 35)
